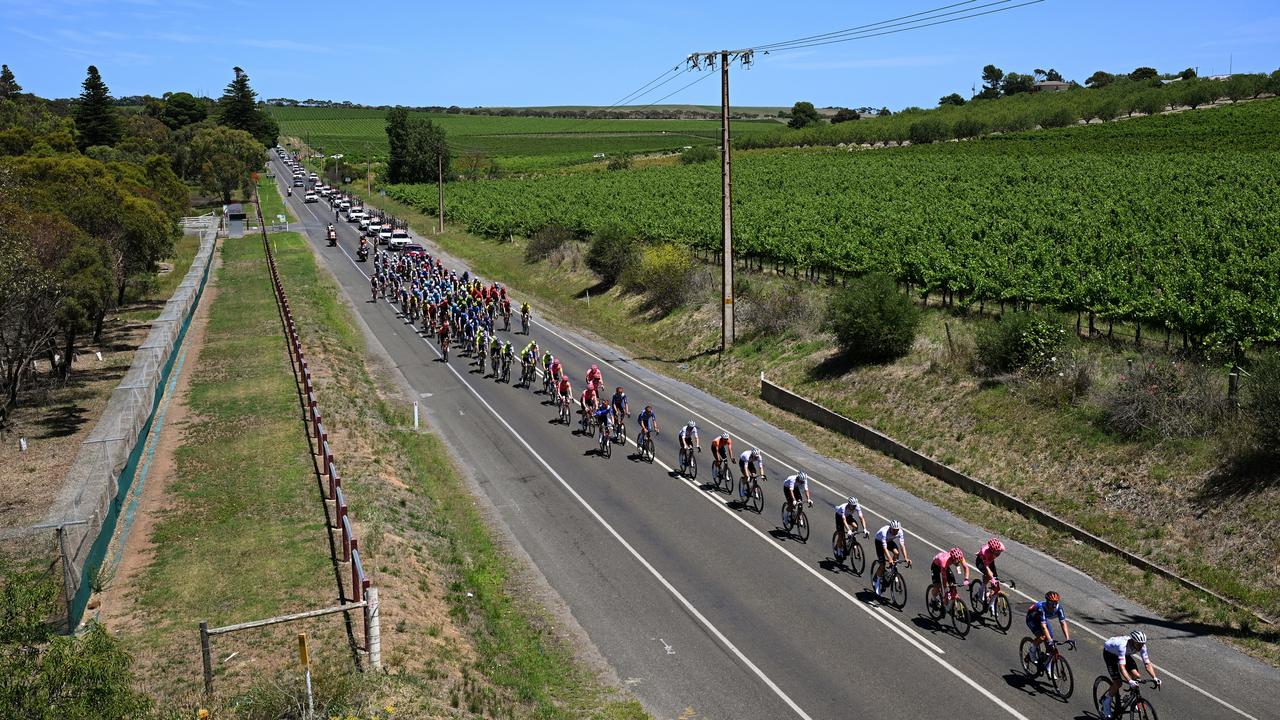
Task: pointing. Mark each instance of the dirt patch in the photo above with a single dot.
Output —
(116, 603)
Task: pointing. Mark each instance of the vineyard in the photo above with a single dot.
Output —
(517, 144)
(1172, 220)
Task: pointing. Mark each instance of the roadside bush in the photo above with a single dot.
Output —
(1062, 117)
(699, 154)
(662, 273)
(1067, 384)
(546, 241)
(1261, 403)
(779, 308)
(611, 252)
(927, 131)
(872, 320)
(1161, 400)
(969, 127)
(1020, 341)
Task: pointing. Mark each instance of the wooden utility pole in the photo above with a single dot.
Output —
(709, 60)
(726, 176)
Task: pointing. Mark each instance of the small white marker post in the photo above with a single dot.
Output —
(415, 414)
(305, 659)
(22, 444)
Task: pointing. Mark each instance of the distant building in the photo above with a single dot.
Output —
(1052, 86)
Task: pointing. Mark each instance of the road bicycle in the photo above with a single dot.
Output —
(721, 476)
(940, 605)
(845, 547)
(1130, 700)
(644, 441)
(606, 443)
(506, 369)
(795, 518)
(619, 425)
(444, 348)
(506, 321)
(892, 582)
(480, 360)
(1049, 663)
(547, 382)
(526, 373)
(750, 493)
(524, 322)
(993, 603)
(565, 410)
(688, 462)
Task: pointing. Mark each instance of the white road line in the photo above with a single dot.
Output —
(728, 644)
(1083, 626)
(835, 492)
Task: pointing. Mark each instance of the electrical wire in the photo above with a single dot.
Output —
(868, 26)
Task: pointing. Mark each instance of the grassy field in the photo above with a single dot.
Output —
(272, 203)
(1057, 458)
(516, 143)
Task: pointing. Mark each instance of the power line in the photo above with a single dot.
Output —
(861, 27)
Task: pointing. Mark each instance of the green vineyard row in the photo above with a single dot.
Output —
(1171, 220)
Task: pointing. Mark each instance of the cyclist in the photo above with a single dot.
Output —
(507, 354)
(481, 341)
(721, 451)
(891, 541)
(524, 315)
(751, 460)
(791, 487)
(547, 360)
(529, 359)
(564, 390)
(589, 399)
(688, 437)
(495, 352)
(986, 561)
(1038, 616)
(506, 313)
(602, 414)
(943, 578)
(443, 334)
(595, 378)
(648, 424)
(621, 408)
(849, 518)
(557, 370)
(1118, 654)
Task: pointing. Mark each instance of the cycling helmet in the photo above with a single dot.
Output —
(1139, 637)
(724, 436)
(802, 476)
(755, 452)
(957, 555)
(1053, 597)
(995, 545)
(594, 366)
(852, 500)
(692, 425)
(619, 390)
(895, 525)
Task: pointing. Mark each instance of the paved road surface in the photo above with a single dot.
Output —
(699, 604)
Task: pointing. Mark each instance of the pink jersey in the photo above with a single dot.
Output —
(943, 559)
(987, 555)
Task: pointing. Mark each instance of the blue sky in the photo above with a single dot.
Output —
(544, 53)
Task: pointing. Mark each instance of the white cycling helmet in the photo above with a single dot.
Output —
(895, 525)
(1139, 637)
(692, 425)
(853, 500)
(802, 475)
(724, 436)
(755, 452)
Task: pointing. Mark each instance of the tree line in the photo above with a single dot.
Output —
(90, 199)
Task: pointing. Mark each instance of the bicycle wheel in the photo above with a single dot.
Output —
(933, 602)
(693, 466)
(961, 619)
(837, 547)
(606, 446)
(1003, 613)
(1142, 709)
(1024, 657)
(975, 597)
(788, 519)
(726, 480)
(898, 592)
(876, 566)
(857, 560)
(757, 499)
(1101, 685)
(1064, 681)
(802, 526)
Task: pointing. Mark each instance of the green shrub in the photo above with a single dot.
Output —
(621, 161)
(546, 241)
(969, 127)
(699, 154)
(1062, 117)
(872, 320)
(927, 131)
(779, 308)
(662, 273)
(1260, 404)
(611, 252)
(1161, 400)
(1020, 341)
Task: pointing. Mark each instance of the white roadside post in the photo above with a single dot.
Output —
(305, 659)
(415, 414)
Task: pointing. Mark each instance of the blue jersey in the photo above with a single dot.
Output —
(602, 413)
(619, 400)
(1039, 612)
(646, 419)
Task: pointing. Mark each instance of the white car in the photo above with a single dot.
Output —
(363, 221)
(396, 243)
(385, 235)
(344, 205)
(310, 197)
(371, 229)
(401, 234)
(356, 216)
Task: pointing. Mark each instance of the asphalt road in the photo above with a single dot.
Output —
(701, 605)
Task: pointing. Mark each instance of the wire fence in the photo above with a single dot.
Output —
(72, 539)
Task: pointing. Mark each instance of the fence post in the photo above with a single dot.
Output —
(1233, 388)
(206, 657)
(373, 628)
